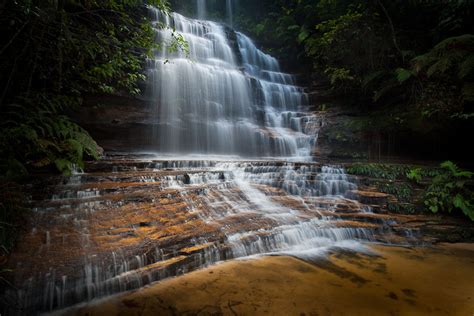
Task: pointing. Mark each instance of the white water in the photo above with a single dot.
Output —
(256, 208)
(201, 9)
(301, 230)
(229, 12)
(227, 98)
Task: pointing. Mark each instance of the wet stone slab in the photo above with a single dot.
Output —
(100, 233)
(384, 281)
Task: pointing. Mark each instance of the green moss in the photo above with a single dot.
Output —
(343, 154)
(402, 191)
(446, 188)
(451, 190)
(402, 208)
(381, 171)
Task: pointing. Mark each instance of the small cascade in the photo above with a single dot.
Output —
(201, 9)
(122, 225)
(229, 13)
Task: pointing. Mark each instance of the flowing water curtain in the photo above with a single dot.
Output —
(298, 218)
(229, 12)
(228, 98)
(201, 9)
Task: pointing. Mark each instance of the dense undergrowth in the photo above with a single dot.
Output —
(52, 53)
(405, 73)
(444, 189)
(405, 67)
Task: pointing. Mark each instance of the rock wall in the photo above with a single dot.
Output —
(117, 123)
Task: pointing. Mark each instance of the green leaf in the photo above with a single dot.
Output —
(466, 69)
(449, 165)
(64, 166)
(468, 92)
(403, 74)
(386, 88)
(373, 76)
(465, 206)
(434, 208)
(293, 28)
(415, 175)
(304, 34)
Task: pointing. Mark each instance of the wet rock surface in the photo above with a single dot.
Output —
(384, 281)
(128, 221)
(117, 122)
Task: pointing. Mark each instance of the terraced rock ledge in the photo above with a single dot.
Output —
(386, 281)
(129, 221)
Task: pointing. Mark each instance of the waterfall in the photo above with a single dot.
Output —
(226, 98)
(229, 11)
(201, 9)
(122, 224)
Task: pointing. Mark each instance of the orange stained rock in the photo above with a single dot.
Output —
(197, 248)
(400, 281)
(352, 224)
(370, 193)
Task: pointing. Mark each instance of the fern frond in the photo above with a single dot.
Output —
(468, 92)
(373, 76)
(422, 61)
(453, 54)
(466, 69)
(440, 67)
(403, 74)
(385, 89)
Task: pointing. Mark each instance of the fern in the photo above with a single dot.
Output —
(450, 190)
(440, 67)
(44, 138)
(466, 68)
(403, 74)
(338, 75)
(64, 166)
(387, 87)
(453, 54)
(468, 92)
(415, 175)
(372, 77)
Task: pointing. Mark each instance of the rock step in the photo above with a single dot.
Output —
(125, 223)
(370, 197)
(49, 185)
(131, 193)
(119, 165)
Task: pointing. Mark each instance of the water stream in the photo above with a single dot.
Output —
(129, 223)
(226, 98)
(124, 223)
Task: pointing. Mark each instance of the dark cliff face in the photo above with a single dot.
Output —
(117, 123)
(352, 134)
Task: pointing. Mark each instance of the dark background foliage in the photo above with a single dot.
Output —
(52, 53)
(403, 67)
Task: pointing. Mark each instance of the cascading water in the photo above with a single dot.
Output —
(130, 223)
(229, 12)
(124, 224)
(227, 98)
(201, 9)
